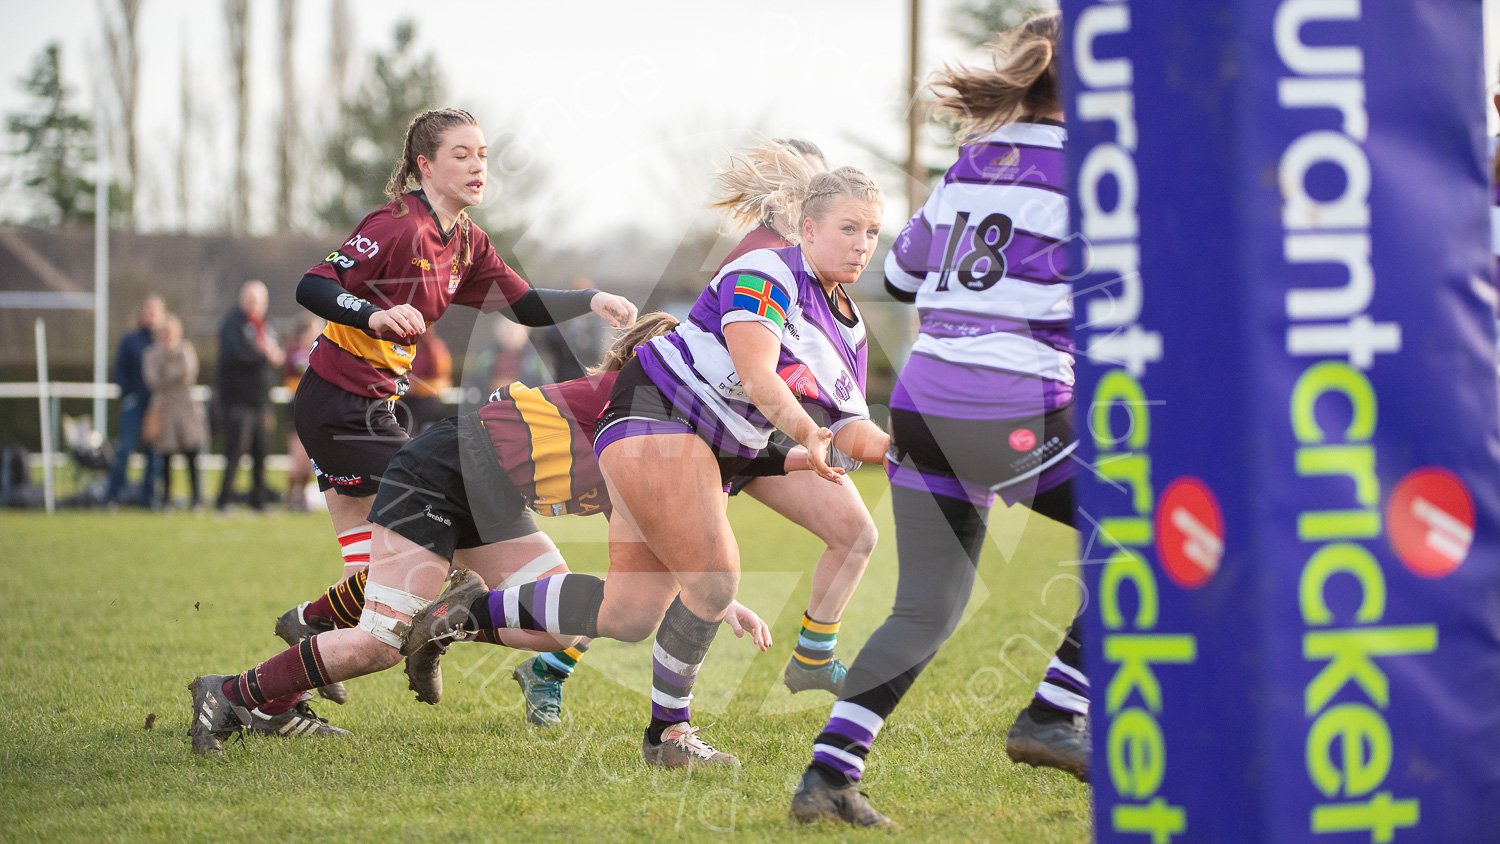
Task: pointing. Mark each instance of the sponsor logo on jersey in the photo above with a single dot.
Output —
(1022, 439)
(422, 264)
(350, 302)
(1004, 167)
(363, 245)
(343, 480)
(800, 379)
(340, 262)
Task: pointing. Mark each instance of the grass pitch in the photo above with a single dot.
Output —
(108, 616)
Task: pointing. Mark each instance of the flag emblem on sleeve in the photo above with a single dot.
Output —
(760, 297)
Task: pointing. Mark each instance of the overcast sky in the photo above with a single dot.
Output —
(627, 106)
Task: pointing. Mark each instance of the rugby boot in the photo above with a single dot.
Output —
(293, 627)
(829, 676)
(1060, 741)
(820, 799)
(434, 627)
(214, 717)
(680, 747)
(541, 689)
(300, 720)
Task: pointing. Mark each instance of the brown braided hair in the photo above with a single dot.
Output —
(424, 137)
(622, 350)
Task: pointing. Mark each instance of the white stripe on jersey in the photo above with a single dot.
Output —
(1008, 352)
(1032, 210)
(711, 374)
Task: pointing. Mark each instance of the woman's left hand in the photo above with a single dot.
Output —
(741, 619)
(617, 311)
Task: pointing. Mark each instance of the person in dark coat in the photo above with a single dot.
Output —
(249, 357)
(135, 397)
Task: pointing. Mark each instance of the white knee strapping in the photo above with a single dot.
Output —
(384, 628)
(532, 570)
(402, 602)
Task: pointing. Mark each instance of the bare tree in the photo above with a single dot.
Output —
(237, 26)
(119, 19)
(339, 55)
(287, 135)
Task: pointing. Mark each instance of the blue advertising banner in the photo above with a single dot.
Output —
(1287, 395)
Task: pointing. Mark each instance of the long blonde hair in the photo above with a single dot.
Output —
(1025, 80)
(767, 183)
(424, 137)
(622, 350)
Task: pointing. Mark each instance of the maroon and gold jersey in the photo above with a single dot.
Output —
(544, 439)
(405, 260)
(761, 237)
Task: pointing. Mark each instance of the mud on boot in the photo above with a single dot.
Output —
(820, 798)
(214, 716)
(680, 747)
(434, 627)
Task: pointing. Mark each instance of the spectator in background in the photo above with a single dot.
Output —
(249, 354)
(569, 348)
(300, 471)
(170, 366)
(510, 357)
(431, 376)
(135, 397)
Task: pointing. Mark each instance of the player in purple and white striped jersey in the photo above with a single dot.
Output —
(982, 407)
(821, 355)
(983, 260)
(764, 187)
(773, 343)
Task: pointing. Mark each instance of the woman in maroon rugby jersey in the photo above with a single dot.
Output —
(404, 264)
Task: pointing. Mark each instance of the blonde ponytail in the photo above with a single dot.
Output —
(767, 184)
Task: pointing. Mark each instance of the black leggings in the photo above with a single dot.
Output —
(192, 472)
(938, 541)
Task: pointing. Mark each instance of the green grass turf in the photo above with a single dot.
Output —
(108, 616)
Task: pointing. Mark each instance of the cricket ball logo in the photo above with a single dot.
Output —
(1189, 532)
(1430, 522)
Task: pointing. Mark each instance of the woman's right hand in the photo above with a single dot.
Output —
(817, 455)
(401, 320)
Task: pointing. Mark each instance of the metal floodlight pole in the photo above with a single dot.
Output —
(101, 256)
(44, 400)
(914, 180)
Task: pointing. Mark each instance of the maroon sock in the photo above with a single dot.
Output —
(320, 610)
(342, 604)
(282, 704)
(294, 670)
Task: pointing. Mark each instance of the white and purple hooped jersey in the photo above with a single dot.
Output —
(823, 356)
(986, 258)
